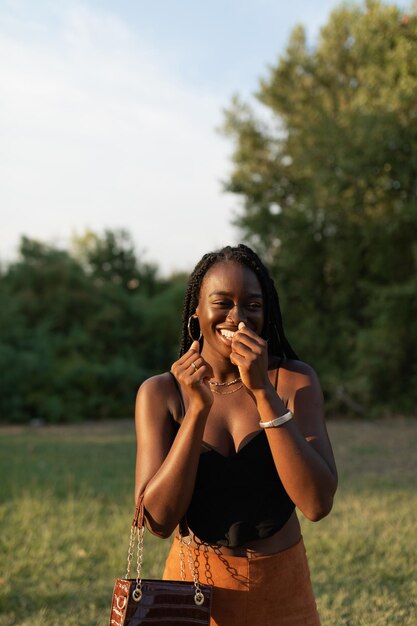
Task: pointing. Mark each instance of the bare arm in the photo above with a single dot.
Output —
(166, 465)
(301, 448)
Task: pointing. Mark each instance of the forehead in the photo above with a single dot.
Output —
(231, 277)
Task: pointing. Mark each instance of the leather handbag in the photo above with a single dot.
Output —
(137, 601)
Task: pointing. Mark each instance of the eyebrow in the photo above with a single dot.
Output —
(226, 293)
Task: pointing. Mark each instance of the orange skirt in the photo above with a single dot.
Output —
(272, 590)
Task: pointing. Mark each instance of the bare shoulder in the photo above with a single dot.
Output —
(298, 372)
(158, 394)
(159, 384)
(296, 376)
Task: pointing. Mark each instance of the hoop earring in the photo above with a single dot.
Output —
(189, 328)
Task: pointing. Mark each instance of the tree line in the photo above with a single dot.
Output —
(326, 170)
(81, 329)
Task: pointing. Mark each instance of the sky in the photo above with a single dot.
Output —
(110, 110)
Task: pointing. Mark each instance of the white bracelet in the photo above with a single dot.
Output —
(278, 421)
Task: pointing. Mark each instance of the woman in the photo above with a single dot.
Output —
(234, 439)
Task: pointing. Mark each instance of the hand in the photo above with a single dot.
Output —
(250, 354)
(193, 373)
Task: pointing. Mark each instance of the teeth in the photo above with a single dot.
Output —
(226, 333)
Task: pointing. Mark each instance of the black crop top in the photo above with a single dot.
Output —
(238, 498)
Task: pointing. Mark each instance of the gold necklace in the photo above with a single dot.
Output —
(227, 393)
(232, 382)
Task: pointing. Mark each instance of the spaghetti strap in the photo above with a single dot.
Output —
(178, 388)
(276, 374)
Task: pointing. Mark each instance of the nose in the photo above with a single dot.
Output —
(236, 315)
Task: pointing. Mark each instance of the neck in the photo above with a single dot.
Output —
(223, 370)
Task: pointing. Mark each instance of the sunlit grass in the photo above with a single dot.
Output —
(66, 504)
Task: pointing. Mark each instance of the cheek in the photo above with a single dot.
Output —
(260, 322)
(213, 317)
(208, 317)
(256, 314)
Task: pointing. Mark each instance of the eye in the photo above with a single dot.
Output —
(222, 303)
(255, 305)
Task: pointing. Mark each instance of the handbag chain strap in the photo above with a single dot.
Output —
(193, 566)
(136, 536)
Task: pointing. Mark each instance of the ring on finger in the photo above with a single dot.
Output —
(194, 366)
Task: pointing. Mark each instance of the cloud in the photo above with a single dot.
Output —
(97, 131)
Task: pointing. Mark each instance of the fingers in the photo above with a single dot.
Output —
(195, 347)
(195, 374)
(194, 364)
(198, 366)
(247, 348)
(246, 341)
(237, 359)
(246, 332)
(191, 368)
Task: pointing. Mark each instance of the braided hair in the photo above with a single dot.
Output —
(273, 331)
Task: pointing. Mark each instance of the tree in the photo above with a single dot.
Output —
(111, 258)
(329, 189)
(43, 354)
(76, 339)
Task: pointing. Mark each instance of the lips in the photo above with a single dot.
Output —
(226, 335)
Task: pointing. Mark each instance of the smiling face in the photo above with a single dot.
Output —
(230, 293)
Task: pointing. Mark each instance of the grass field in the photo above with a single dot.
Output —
(66, 504)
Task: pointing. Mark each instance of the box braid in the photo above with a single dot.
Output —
(273, 331)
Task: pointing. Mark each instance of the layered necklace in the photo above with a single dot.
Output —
(213, 384)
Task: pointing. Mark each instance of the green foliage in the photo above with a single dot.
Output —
(329, 192)
(111, 258)
(78, 334)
